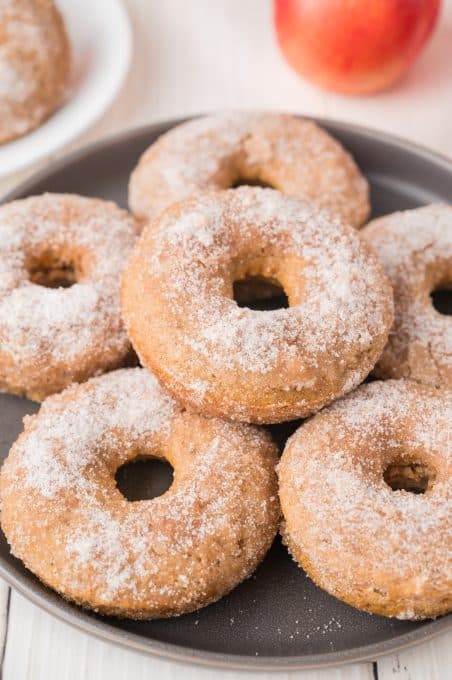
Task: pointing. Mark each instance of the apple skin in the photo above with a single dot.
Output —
(353, 46)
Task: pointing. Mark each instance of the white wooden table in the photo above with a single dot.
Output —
(203, 55)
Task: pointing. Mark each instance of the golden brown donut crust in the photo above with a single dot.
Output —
(65, 518)
(240, 363)
(384, 551)
(34, 65)
(51, 337)
(415, 247)
(293, 155)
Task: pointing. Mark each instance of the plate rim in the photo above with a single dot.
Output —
(102, 629)
(162, 124)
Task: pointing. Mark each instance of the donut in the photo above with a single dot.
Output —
(415, 247)
(239, 363)
(366, 498)
(291, 154)
(34, 65)
(65, 518)
(60, 321)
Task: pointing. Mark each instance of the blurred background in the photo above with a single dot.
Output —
(200, 56)
(197, 56)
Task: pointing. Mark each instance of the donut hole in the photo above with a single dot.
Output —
(52, 271)
(250, 182)
(144, 478)
(442, 300)
(260, 293)
(413, 477)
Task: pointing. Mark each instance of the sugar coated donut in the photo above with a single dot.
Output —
(65, 518)
(350, 518)
(290, 154)
(52, 335)
(255, 366)
(415, 247)
(34, 64)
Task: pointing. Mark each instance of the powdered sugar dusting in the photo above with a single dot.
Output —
(146, 558)
(33, 64)
(48, 326)
(90, 415)
(211, 153)
(340, 300)
(415, 247)
(336, 502)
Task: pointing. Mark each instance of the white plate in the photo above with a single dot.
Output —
(101, 42)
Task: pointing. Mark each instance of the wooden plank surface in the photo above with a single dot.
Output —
(206, 55)
(430, 661)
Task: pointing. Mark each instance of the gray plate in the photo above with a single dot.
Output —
(278, 619)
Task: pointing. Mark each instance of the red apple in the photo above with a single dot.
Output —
(353, 46)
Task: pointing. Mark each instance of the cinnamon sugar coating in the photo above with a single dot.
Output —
(240, 363)
(52, 336)
(65, 518)
(34, 64)
(384, 551)
(293, 155)
(415, 247)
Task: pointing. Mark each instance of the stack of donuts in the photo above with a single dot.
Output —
(240, 291)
